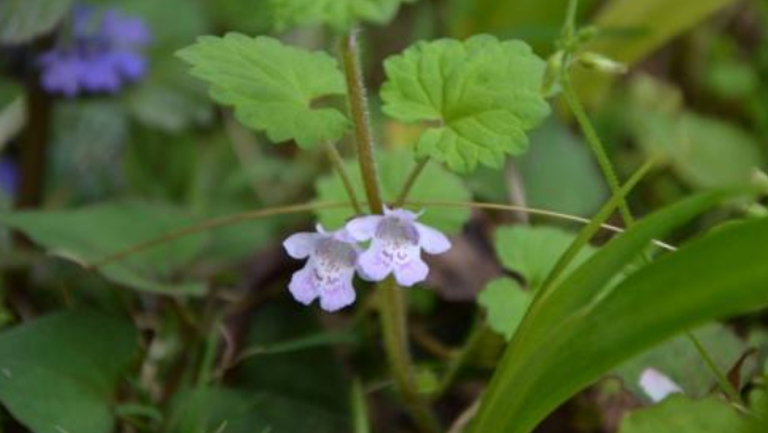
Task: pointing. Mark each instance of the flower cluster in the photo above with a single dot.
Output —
(396, 241)
(101, 52)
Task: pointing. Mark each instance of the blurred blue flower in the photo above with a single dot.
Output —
(101, 53)
(9, 177)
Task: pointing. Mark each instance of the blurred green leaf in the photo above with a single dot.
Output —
(649, 25)
(705, 152)
(678, 414)
(506, 303)
(60, 373)
(536, 21)
(341, 15)
(272, 86)
(533, 251)
(435, 183)
(88, 234)
(580, 330)
(24, 20)
(559, 172)
(680, 361)
(478, 98)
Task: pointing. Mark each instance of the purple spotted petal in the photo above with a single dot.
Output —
(374, 264)
(329, 270)
(337, 296)
(412, 272)
(364, 228)
(431, 240)
(302, 286)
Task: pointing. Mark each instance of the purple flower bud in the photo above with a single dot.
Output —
(9, 177)
(122, 30)
(329, 270)
(102, 54)
(62, 72)
(397, 241)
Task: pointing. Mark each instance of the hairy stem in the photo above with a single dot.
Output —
(394, 321)
(410, 181)
(338, 165)
(358, 107)
(596, 145)
(393, 311)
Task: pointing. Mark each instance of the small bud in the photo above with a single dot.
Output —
(587, 34)
(552, 74)
(760, 180)
(601, 63)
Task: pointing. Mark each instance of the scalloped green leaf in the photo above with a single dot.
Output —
(679, 414)
(272, 86)
(478, 98)
(533, 251)
(340, 15)
(435, 183)
(506, 303)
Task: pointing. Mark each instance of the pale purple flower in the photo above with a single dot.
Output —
(657, 385)
(397, 241)
(101, 53)
(329, 270)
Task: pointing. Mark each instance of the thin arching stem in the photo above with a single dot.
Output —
(302, 208)
(410, 181)
(210, 225)
(338, 165)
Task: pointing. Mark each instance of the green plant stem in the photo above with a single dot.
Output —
(410, 181)
(358, 107)
(393, 314)
(393, 311)
(234, 219)
(338, 165)
(720, 377)
(595, 144)
(569, 27)
(210, 225)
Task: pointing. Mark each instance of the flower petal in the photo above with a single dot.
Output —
(300, 245)
(373, 265)
(338, 296)
(657, 385)
(431, 240)
(363, 228)
(412, 272)
(302, 286)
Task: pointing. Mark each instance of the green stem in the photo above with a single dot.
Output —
(410, 181)
(358, 108)
(569, 27)
(720, 377)
(338, 165)
(394, 321)
(595, 144)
